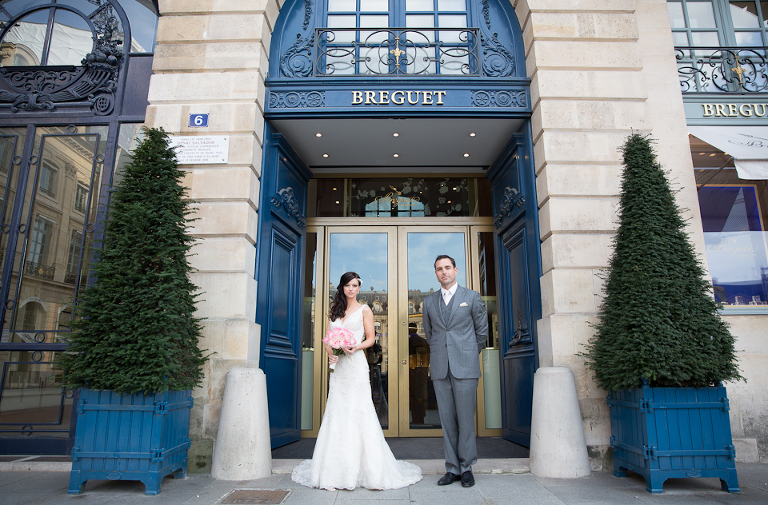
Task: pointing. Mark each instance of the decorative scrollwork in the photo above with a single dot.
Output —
(482, 98)
(487, 14)
(498, 61)
(307, 13)
(94, 82)
(510, 199)
(296, 99)
(285, 198)
(297, 60)
(722, 69)
(397, 52)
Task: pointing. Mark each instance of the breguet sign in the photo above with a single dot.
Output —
(300, 99)
(725, 111)
(734, 109)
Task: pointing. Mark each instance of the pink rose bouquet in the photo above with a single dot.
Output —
(337, 339)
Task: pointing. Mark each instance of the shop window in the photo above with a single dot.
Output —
(733, 217)
(697, 23)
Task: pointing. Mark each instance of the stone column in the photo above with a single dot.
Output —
(211, 57)
(600, 69)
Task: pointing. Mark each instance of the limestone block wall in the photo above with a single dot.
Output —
(211, 57)
(601, 69)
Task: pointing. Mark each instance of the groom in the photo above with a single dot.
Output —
(456, 327)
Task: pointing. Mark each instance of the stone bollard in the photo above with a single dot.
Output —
(558, 447)
(242, 450)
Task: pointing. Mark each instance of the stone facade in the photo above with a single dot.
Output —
(599, 69)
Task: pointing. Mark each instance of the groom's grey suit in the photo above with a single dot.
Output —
(456, 334)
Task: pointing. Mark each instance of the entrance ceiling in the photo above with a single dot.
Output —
(434, 145)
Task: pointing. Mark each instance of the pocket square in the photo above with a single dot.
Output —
(463, 304)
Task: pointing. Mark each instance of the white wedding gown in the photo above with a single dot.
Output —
(350, 450)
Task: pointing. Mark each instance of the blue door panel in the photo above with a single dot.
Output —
(279, 263)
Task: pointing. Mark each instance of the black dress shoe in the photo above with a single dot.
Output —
(467, 479)
(448, 478)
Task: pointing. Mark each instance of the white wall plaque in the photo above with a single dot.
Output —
(194, 150)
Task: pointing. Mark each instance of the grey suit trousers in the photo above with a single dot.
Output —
(457, 401)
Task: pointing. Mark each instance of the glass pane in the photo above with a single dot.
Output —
(744, 15)
(342, 36)
(342, 6)
(71, 39)
(23, 43)
(701, 14)
(451, 5)
(374, 5)
(764, 17)
(452, 21)
(366, 254)
(340, 61)
(749, 39)
(419, 21)
(705, 39)
(14, 7)
(374, 21)
(308, 331)
(422, 249)
(490, 355)
(680, 38)
(676, 18)
(30, 400)
(143, 22)
(46, 289)
(11, 148)
(735, 241)
(419, 5)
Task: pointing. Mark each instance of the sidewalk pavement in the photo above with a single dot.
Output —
(515, 485)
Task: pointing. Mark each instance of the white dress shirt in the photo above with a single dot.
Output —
(448, 293)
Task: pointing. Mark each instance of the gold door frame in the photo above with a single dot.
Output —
(397, 309)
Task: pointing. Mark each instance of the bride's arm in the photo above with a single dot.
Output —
(331, 357)
(370, 334)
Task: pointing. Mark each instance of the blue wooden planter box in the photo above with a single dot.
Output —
(663, 433)
(130, 437)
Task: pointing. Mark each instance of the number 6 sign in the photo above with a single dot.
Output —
(198, 120)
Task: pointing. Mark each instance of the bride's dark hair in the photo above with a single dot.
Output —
(339, 305)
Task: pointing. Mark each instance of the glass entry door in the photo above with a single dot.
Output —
(396, 265)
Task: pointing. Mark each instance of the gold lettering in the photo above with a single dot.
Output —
(398, 100)
(357, 97)
(747, 112)
(370, 97)
(440, 97)
(720, 110)
(383, 97)
(763, 109)
(427, 98)
(414, 102)
(708, 109)
(732, 110)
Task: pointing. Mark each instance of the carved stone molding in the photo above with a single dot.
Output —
(482, 98)
(296, 99)
(285, 198)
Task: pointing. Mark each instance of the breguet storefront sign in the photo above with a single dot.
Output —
(287, 100)
(734, 109)
(726, 111)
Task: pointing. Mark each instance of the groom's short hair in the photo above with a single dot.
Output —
(443, 257)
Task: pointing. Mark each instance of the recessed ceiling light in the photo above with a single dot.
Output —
(395, 134)
(395, 155)
(449, 201)
(466, 155)
(472, 134)
(325, 155)
(713, 154)
(334, 189)
(318, 134)
(455, 189)
(337, 202)
(702, 154)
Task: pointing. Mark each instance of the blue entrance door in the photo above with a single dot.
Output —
(519, 270)
(279, 263)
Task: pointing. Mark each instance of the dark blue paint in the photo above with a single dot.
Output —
(130, 437)
(663, 433)
(278, 271)
(518, 256)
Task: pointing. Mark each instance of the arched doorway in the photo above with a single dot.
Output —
(74, 77)
(366, 100)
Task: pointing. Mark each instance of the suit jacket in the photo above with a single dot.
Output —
(460, 338)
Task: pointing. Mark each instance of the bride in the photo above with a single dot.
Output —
(350, 450)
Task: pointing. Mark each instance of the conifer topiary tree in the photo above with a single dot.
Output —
(658, 320)
(135, 329)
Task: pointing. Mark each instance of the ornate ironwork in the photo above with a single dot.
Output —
(397, 51)
(285, 198)
(38, 270)
(498, 61)
(297, 60)
(41, 88)
(296, 99)
(482, 98)
(722, 69)
(510, 199)
(487, 14)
